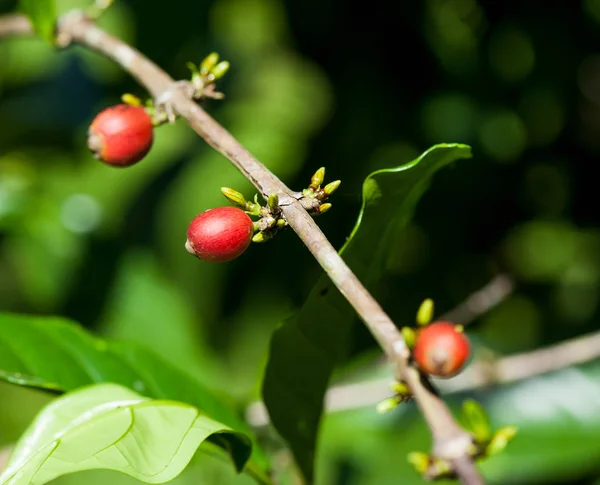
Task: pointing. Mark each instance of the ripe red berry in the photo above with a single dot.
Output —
(441, 349)
(121, 135)
(219, 235)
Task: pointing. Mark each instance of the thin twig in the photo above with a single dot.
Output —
(483, 373)
(450, 441)
(481, 301)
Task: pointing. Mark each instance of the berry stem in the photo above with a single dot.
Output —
(451, 442)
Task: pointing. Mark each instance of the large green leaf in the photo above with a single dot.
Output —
(42, 14)
(58, 355)
(305, 351)
(109, 426)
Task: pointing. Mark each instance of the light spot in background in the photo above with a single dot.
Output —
(80, 213)
(503, 136)
(588, 77)
(449, 117)
(515, 316)
(592, 9)
(543, 115)
(454, 29)
(541, 251)
(540, 399)
(139, 386)
(511, 53)
(576, 303)
(547, 189)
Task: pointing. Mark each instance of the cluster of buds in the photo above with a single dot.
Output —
(121, 135)
(314, 196)
(224, 233)
(206, 74)
(270, 219)
(485, 443)
(442, 349)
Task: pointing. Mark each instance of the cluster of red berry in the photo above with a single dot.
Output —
(121, 136)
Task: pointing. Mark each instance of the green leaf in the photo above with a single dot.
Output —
(42, 14)
(110, 427)
(57, 355)
(305, 351)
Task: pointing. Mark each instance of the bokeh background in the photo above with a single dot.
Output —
(355, 87)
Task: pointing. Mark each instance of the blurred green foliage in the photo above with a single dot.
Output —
(356, 88)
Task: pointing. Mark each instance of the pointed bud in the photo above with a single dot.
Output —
(234, 196)
(425, 312)
(331, 187)
(253, 209)
(131, 100)
(208, 63)
(400, 388)
(324, 208)
(317, 178)
(441, 469)
(475, 420)
(192, 67)
(419, 460)
(409, 336)
(501, 438)
(273, 201)
(219, 70)
(388, 404)
(259, 237)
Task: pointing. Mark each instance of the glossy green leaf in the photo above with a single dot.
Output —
(42, 14)
(107, 426)
(305, 351)
(58, 355)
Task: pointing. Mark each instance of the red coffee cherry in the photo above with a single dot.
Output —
(219, 235)
(441, 349)
(121, 135)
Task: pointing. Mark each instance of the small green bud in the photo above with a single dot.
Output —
(476, 421)
(219, 70)
(281, 223)
(331, 187)
(317, 178)
(273, 201)
(400, 388)
(234, 196)
(425, 312)
(442, 468)
(259, 237)
(131, 100)
(253, 208)
(324, 208)
(419, 460)
(410, 337)
(501, 438)
(192, 67)
(208, 63)
(388, 404)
